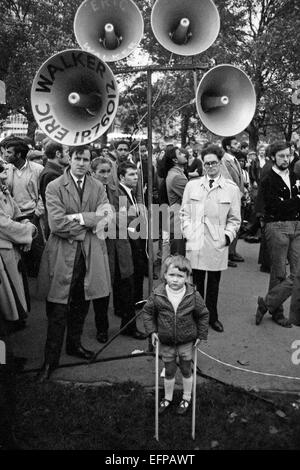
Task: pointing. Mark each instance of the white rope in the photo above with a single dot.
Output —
(248, 370)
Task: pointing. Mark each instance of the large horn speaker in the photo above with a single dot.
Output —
(185, 27)
(110, 29)
(74, 97)
(225, 100)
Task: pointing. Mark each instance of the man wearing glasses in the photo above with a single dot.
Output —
(282, 217)
(210, 219)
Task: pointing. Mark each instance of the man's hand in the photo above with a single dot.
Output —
(154, 339)
(197, 342)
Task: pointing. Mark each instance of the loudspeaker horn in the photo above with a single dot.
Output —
(110, 29)
(74, 97)
(225, 100)
(185, 27)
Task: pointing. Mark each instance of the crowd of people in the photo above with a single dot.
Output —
(75, 218)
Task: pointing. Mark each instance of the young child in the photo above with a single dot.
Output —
(175, 314)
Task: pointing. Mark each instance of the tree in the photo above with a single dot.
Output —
(259, 36)
(32, 31)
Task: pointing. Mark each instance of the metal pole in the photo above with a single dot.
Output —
(156, 389)
(150, 182)
(194, 392)
(195, 82)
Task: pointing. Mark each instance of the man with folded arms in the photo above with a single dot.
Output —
(74, 268)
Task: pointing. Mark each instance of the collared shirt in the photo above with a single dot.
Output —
(77, 216)
(22, 190)
(262, 161)
(131, 197)
(75, 178)
(285, 175)
(207, 180)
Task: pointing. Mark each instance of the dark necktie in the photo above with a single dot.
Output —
(79, 187)
(211, 182)
(135, 203)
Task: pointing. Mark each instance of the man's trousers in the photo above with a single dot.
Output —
(72, 315)
(212, 290)
(283, 239)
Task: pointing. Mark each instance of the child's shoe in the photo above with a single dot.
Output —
(183, 407)
(164, 405)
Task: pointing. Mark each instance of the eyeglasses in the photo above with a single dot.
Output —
(213, 164)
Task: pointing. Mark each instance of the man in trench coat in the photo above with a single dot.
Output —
(210, 219)
(74, 268)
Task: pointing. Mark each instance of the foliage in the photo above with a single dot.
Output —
(32, 30)
(259, 36)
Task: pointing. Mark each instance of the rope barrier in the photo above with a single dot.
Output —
(269, 374)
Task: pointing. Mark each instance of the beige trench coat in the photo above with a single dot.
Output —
(13, 302)
(207, 215)
(62, 199)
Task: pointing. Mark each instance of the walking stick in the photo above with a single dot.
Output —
(194, 392)
(156, 388)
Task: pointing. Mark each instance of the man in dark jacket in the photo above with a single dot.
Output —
(57, 160)
(282, 217)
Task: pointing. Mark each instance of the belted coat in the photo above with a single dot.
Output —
(207, 215)
(14, 302)
(63, 200)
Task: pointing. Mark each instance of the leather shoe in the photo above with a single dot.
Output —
(45, 372)
(282, 321)
(236, 258)
(231, 264)
(102, 337)
(136, 334)
(261, 310)
(80, 352)
(217, 326)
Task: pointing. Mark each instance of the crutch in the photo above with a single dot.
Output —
(194, 391)
(156, 387)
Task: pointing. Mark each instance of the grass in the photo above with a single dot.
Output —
(53, 416)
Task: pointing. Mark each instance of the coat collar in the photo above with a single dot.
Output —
(69, 184)
(221, 182)
(161, 289)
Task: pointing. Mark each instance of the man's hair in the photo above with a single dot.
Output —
(51, 148)
(244, 144)
(79, 150)
(177, 261)
(214, 149)
(8, 139)
(122, 142)
(277, 146)
(240, 156)
(19, 147)
(100, 161)
(260, 146)
(170, 155)
(227, 142)
(123, 167)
